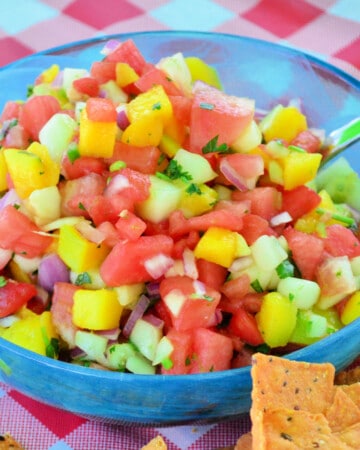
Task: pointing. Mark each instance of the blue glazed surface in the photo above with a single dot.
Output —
(266, 72)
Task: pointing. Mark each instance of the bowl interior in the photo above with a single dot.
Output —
(268, 73)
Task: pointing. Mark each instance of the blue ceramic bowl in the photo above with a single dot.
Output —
(266, 72)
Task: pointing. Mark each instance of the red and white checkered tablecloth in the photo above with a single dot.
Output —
(328, 29)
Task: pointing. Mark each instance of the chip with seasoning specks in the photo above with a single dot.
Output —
(295, 405)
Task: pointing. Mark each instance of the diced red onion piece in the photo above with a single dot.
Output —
(200, 288)
(5, 256)
(77, 353)
(111, 335)
(190, 267)
(280, 219)
(89, 232)
(51, 270)
(122, 119)
(231, 175)
(155, 321)
(9, 198)
(135, 315)
(158, 265)
(102, 93)
(110, 46)
(153, 289)
(118, 183)
(216, 318)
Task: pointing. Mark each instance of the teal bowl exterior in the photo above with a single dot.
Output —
(252, 68)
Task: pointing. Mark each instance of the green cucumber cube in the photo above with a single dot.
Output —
(146, 337)
(304, 293)
(92, 344)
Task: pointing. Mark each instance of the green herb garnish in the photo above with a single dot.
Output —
(73, 153)
(3, 281)
(256, 286)
(193, 189)
(117, 165)
(82, 278)
(174, 171)
(285, 269)
(208, 106)
(213, 147)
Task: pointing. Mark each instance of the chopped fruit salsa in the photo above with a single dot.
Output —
(152, 223)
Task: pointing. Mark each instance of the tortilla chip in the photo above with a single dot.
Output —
(349, 376)
(279, 382)
(343, 412)
(290, 429)
(350, 436)
(8, 442)
(157, 443)
(244, 442)
(352, 391)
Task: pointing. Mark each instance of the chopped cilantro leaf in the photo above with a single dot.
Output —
(81, 206)
(193, 189)
(117, 165)
(82, 278)
(73, 153)
(167, 363)
(285, 269)
(156, 106)
(3, 281)
(174, 171)
(208, 106)
(213, 147)
(256, 286)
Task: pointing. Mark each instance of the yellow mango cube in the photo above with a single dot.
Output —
(218, 245)
(199, 70)
(313, 221)
(96, 309)
(3, 172)
(283, 123)
(31, 169)
(351, 310)
(153, 102)
(96, 138)
(276, 319)
(147, 130)
(125, 74)
(34, 332)
(299, 168)
(79, 253)
(197, 199)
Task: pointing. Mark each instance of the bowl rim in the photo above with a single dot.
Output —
(297, 355)
(164, 378)
(189, 33)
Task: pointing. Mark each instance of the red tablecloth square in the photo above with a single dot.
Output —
(350, 53)
(10, 46)
(96, 13)
(49, 416)
(282, 18)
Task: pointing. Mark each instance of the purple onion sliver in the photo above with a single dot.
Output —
(153, 289)
(51, 270)
(111, 335)
(153, 320)
(122, 119)
(136, 314)
(110, 46)
(9, 198)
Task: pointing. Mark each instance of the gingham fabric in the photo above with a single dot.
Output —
(328, 29)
